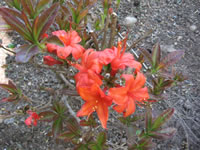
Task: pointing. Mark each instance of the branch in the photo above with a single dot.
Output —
(64, 99)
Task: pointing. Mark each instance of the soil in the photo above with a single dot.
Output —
(176, 26)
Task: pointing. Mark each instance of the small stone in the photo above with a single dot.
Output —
(193, 27)
(130, 21)
(9, 121)
(179, 38)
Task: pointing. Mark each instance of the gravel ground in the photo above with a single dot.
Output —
(176, 26)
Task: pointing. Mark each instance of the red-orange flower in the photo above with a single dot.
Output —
(32, 119)
(70, 40)
(89, 69)
(48, 60)
(123, 59)
(95, 100)
(118, 58)
(128, 96)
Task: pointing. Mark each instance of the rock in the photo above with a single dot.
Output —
(193, 27)
(130, 21)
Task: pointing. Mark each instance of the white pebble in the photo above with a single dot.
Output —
(193, 27)
(130, 21)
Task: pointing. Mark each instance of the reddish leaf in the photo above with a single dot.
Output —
(146, 54)
(15, 24)
(3, 25)
(162, 118)
(53, 40)
(67, 136)
(82, 15)
(41, 5)
(171, 59)
(46, 19)
(47, 116)
(163, 134)
(28, 7)
(156, 55)
(25, 53)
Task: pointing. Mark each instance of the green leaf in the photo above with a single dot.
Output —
(81, 16)
(162, 118)
(90, 122)
(47, 116)
(41, 5)
(156, 55)
(11, 45)
(101, 139)
(148, 119)
(57, 127)
(46, 19)
(143, 144)
(94, 146)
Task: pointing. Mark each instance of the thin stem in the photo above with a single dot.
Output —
(105, 31)
(66, 81)
(139, 40)
(64, 98)
(7, 49)
(113, 29)
(94, 36)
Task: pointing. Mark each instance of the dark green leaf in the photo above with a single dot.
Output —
(101, 138)
(94, 146)
(57, 127)
(148, 119)
(25, 52)
(90, 122)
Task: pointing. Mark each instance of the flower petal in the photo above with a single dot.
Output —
(102, 112)
(77, 51)
(120, 108)
(130, 107)
(86, 109)
(119, 95)
(64, 52)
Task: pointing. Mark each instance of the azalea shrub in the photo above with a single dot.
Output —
(108, 74)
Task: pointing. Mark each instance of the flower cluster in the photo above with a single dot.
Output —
(91, 82)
